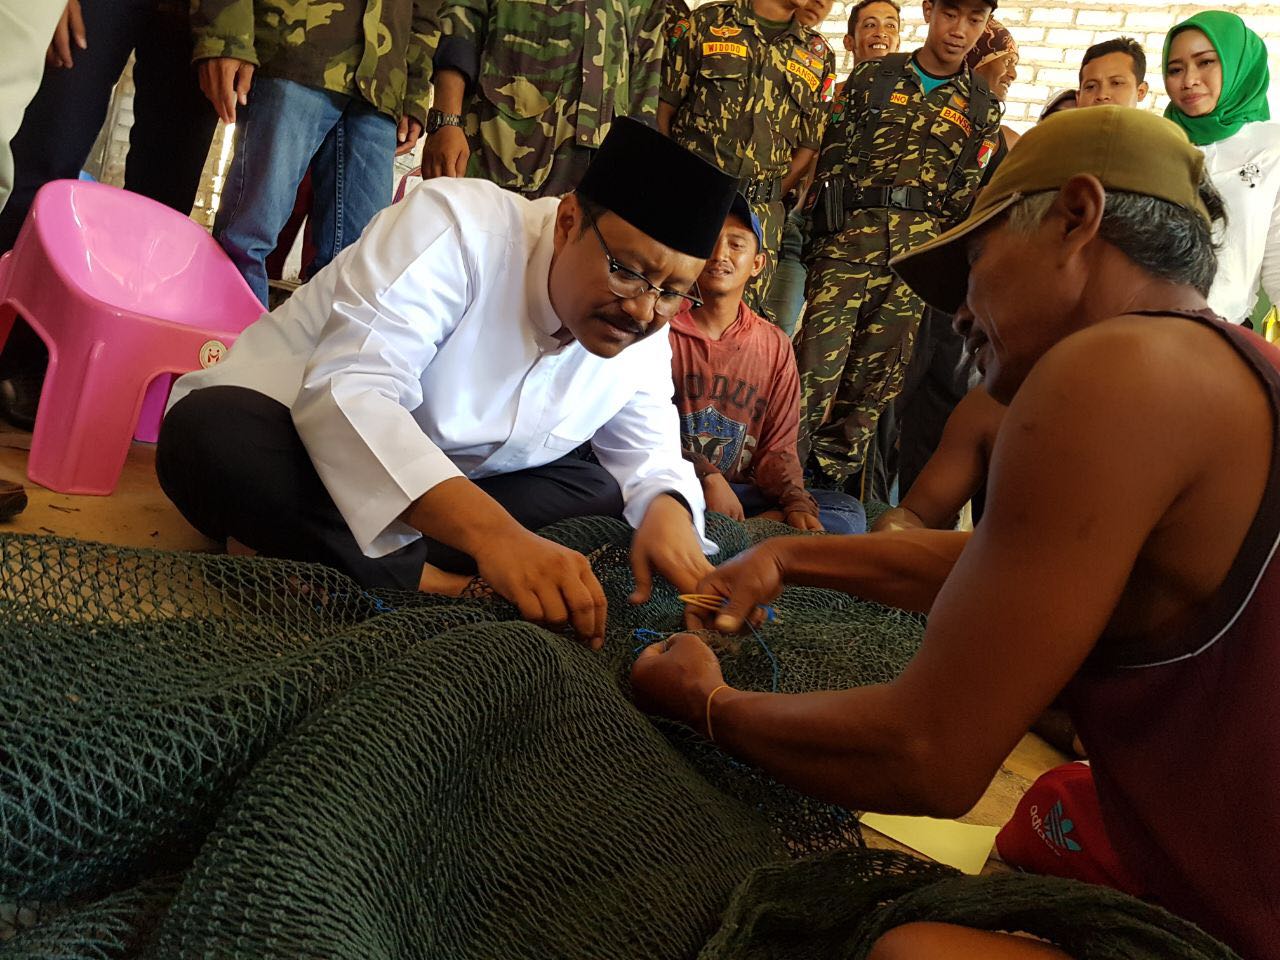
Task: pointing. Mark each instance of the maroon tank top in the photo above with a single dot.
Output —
(1183, 732)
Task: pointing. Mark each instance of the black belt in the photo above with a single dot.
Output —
(760, 191)
(901, 198)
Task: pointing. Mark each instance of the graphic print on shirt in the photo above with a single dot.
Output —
(721, 440)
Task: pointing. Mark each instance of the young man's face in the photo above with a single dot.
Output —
(875, 34)
(1193, 76)
(579, 281)
(954, 27)
(1110, 79)
(736, 260)
(812, 13)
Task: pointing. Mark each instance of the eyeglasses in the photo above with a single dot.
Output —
(626, 284)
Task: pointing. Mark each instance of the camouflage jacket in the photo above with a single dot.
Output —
(929, 141)
(376, 49)
(542, 76)
(677, 10)
(744, 102)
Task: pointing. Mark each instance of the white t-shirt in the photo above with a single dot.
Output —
(1246, 170)
(426, 351)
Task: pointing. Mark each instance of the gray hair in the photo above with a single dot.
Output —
(1167, 240)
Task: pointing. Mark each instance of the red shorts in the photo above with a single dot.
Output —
(1057, 830)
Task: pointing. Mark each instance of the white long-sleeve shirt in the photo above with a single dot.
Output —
(426, 351)
(1246, 170)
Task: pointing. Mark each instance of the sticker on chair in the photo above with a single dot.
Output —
(211, 351)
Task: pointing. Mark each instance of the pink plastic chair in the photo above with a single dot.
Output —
(125, 293)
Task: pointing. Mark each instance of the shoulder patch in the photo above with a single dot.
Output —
(828, 88)
(726, 31)
(682, 27)
(985, 153)
(818, 44)
(804, 73)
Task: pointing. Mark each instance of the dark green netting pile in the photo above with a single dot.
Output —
(203, 756)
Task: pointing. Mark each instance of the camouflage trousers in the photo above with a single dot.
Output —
(772, 217)
(568, 164)
(853, 350)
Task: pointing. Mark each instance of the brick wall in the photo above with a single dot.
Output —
(1052, 37)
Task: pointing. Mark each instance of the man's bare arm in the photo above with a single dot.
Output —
(1083, 472)
(666, 113)
(800, 162)
(956, 469)
(446, 152)
(549, 583)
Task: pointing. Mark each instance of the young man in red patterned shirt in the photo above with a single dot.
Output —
(738, 394)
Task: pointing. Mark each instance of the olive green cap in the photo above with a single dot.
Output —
(1129, 150)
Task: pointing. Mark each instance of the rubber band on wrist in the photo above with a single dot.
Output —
(711, 696)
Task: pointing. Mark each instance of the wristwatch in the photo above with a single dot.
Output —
(437, 119)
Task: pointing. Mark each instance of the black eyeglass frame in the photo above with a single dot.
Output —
(616, 267)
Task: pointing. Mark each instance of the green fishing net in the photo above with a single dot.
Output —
(219, 757)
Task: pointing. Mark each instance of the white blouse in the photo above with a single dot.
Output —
(1246, 170)
(426, 351)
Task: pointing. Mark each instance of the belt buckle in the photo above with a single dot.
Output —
(898, 197)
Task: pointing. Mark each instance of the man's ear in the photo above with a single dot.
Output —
(1143, 87)
(569, 221)
(927, 8)
(1080, 205)
(848, 42)
(757, 265)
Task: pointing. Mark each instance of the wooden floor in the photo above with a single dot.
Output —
(139, 515)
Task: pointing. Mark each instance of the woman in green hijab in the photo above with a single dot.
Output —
(1215, 72)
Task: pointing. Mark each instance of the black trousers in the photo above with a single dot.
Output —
(232, 462)
(936, 381)
(173, 122)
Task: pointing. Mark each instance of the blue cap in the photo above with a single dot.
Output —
(742, 210)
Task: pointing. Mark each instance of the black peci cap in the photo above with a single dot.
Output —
(659, 187)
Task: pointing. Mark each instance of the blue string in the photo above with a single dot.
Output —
(647, 638)
(765, 647)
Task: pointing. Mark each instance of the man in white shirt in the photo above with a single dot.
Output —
(414, 411)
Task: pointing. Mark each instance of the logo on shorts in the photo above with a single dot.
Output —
(211, 351)
(1054, 828)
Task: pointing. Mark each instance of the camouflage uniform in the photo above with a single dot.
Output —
(747, 103)
(546, 79)
(379, 50)
(932, 153)
(677, 10)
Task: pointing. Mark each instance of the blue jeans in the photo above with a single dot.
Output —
(286, 128)
(786, 293)
(838, 512)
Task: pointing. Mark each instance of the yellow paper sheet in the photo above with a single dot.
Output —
(964, 846)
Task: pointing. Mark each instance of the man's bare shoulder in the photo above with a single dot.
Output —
(1141, 359)
(1172, 388)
